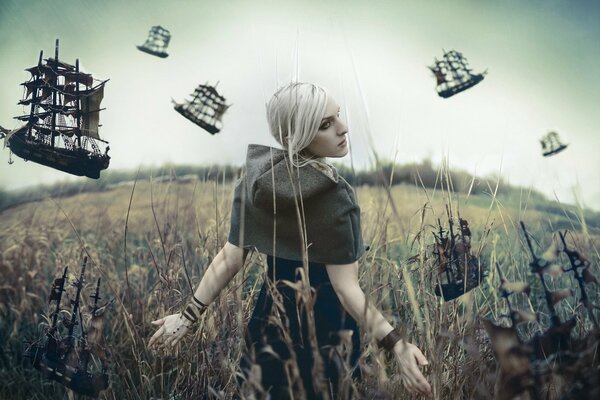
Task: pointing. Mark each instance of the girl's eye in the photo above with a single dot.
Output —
(325, 125)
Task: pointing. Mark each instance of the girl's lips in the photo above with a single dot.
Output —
(343, 143)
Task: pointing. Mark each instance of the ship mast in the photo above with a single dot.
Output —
(205, 109)
(444, 244)
(54, 94)
(68, 360)
(75, 311)
(34, 98)
(46, 137)
(78, 131)
(56, 294)
(85, 354)
(538, 266)
(453, 74)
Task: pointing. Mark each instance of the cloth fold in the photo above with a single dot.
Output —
(275, 203)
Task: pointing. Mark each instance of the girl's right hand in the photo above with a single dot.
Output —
(172, 328)
(409, 358)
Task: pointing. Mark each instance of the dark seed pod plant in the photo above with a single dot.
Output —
(553, 360)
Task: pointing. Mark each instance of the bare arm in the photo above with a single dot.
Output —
(344, 279)
(219, 273)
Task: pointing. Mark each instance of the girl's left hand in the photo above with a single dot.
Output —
(172, 328)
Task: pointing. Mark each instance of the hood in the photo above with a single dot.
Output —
(269, 176)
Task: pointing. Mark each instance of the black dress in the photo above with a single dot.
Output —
(329, 318)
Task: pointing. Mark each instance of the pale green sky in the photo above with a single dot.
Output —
(542, 59)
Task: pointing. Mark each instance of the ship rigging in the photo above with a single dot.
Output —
(157, 42)
(453, 74)
(73, 354)
(551, 144)
(205, 109)
(61, 127)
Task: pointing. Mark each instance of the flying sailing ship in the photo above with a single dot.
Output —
(157, 42)
(551, 144)
(205, 109)
(73, 357)
(453, 74)
(61, 128)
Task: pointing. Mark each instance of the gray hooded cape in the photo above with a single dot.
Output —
(265, 208)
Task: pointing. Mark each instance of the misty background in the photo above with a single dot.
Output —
(542, 59)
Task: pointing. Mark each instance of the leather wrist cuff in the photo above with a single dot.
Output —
(194, 310)
(390, 339)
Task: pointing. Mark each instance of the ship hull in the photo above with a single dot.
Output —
(76, 162)
(554, 151)
(76, 379)
(451, 91)
(207, 127)
(451, 290)
(160, 54)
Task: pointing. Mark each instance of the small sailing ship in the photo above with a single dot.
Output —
(72, 353)
(157, 42)
(205, 109)
(459, 271)
(61, 128)
(551, 144)
(453, 74)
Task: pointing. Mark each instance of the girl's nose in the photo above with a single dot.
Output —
(342, 128)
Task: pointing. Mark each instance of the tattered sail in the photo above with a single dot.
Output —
(551, 144)
(205, 109)
(157, 42)
(91, 113)
(453, 74)
(61, 125)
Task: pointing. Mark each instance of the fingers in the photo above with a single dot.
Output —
(421, 360)
(172, 329)
(422, 386)
(415, 382)
(170, 339)
(173, 340)
(412, 378)
(156, 335)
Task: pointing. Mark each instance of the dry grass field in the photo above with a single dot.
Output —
(146, 249)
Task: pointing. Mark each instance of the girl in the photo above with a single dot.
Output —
(294, 207)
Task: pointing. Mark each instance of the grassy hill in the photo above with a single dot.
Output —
(423, 175)
(150, 242)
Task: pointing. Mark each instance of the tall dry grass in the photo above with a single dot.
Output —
(152, 244)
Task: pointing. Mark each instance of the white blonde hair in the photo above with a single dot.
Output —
(294, 114)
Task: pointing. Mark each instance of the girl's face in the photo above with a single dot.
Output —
(331, 140)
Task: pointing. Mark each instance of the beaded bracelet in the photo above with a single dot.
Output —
(390, 340)
(194, 310)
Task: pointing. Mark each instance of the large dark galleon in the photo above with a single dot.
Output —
(61, 127)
